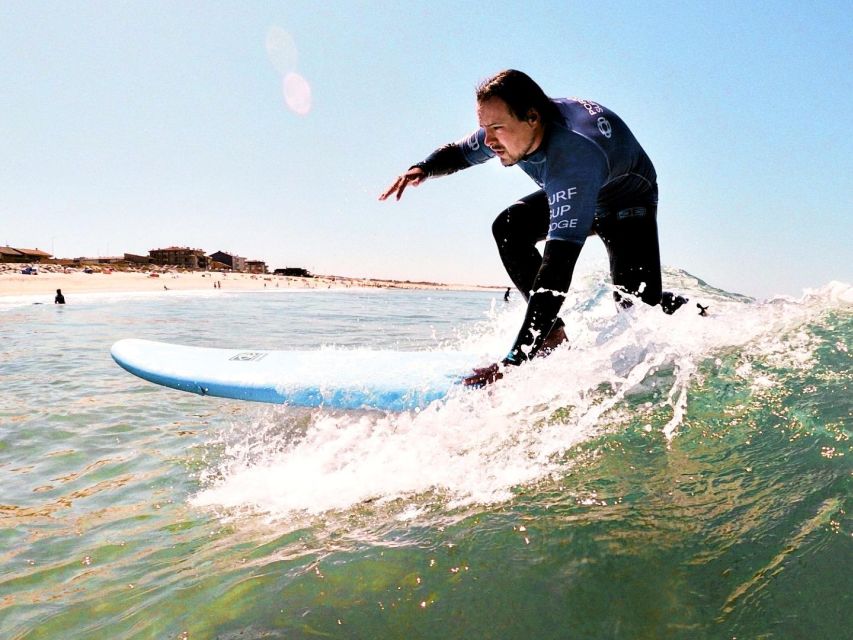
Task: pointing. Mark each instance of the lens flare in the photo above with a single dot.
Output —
(281, 49)
(297, 93)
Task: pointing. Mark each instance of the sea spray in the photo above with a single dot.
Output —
(481, 446)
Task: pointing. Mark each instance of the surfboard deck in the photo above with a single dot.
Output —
(339, 379)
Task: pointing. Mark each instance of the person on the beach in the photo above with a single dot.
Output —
(59, 299)
(506, 295)
(594, 178)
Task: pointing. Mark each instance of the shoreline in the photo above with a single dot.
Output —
(13, 283)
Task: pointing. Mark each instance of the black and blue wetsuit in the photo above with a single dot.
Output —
(594, 178)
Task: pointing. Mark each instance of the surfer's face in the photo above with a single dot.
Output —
(510, 138)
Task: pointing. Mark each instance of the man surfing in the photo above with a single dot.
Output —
(594, 178)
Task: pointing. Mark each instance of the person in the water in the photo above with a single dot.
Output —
(594, 178)
(59, 298)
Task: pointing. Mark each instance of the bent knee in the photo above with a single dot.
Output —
(511, 222)
(502, 225)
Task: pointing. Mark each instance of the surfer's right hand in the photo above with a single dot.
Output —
(413, 176)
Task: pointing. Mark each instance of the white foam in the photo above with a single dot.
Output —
(477, 447)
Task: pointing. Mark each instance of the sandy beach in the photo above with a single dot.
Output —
(74, 281)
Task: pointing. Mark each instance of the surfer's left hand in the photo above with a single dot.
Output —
(482, 377)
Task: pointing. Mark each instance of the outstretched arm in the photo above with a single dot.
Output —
(441, 162)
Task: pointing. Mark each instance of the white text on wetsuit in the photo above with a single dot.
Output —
(560, 206)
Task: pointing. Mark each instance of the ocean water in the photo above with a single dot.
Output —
(664, 477)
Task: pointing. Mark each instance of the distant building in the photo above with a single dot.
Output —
(34, 255)
(256, 266)
(218, 266)
(235, 263)
(100, 260)
(16, 254)
(180, 257)
(295, 272)
(135, 259)
(8, 254)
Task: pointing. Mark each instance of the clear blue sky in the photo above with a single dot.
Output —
(127, 126)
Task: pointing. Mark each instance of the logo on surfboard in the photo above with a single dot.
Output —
(248, 356)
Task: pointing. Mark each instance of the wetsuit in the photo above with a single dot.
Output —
(594, 178)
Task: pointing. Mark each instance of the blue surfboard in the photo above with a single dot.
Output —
(337, 379)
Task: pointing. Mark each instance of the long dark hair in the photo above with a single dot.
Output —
(520, 93)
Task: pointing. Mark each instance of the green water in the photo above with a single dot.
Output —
(737, 526)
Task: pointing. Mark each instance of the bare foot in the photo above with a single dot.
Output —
(553, 340)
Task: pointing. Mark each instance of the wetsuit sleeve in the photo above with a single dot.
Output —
(549, 291)
(452, 157)
(443, 161)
